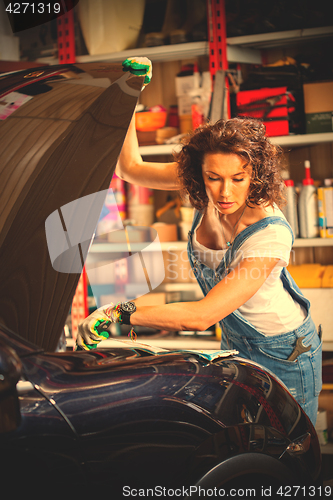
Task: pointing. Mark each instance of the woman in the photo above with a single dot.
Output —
(238, 248)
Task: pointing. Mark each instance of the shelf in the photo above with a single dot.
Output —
(155, 54)
(302, 140)
(167, 53)
(159, 149)
(107, 248)
(240, 49)
(284, 141)
(313, 242)
(298, 243)
(280, 38)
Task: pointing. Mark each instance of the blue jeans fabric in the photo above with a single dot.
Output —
(303, 376)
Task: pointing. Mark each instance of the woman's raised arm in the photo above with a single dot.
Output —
(133, 169)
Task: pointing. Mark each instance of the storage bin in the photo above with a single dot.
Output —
(269, 104)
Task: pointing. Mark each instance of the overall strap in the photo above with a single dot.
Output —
(255, 228)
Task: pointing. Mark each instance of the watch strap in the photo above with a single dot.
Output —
(125, 317)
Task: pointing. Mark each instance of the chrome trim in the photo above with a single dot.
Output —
(24, 386)
(300, 445)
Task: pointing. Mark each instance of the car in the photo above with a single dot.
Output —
(136, 418)
(131, 420)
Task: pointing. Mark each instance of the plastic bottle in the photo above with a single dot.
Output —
(290, 210)
(308, 206)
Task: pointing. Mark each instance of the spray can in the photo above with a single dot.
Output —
(290, 210)
(308, 206)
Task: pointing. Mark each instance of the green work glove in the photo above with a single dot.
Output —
(139, 66)
(94, 328)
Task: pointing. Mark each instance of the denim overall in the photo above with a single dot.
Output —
(302, 376)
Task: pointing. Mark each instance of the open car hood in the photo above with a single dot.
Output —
(61, 131)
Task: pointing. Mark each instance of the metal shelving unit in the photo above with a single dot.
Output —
(107, 248)
(168, 53)
(177, 51)
(280, 38)
(243, 49)
(284, 141)
(240, 49)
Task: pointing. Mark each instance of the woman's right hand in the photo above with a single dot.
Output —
(94, 328)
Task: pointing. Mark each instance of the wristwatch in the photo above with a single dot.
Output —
(126, 309)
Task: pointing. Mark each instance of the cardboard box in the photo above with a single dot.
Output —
(318, 107)
(184, 105)
(185, 84)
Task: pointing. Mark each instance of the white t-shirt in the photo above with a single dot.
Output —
(271, 310)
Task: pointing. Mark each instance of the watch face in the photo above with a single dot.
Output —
(128, 307)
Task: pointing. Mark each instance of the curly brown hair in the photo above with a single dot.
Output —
(245, 137)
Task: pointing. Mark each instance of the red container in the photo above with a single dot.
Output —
(268, 104)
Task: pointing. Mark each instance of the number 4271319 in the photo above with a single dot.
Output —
(33, 8)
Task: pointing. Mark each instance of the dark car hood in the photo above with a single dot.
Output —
(111, 380)
(60, 145)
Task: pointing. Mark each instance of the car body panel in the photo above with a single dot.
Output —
(174, 415)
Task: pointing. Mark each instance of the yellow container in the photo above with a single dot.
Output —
(307, 275)
(185, 124)
(218, 331)
(327, 281)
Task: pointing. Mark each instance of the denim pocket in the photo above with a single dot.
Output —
(316, 363)
(275, 358)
